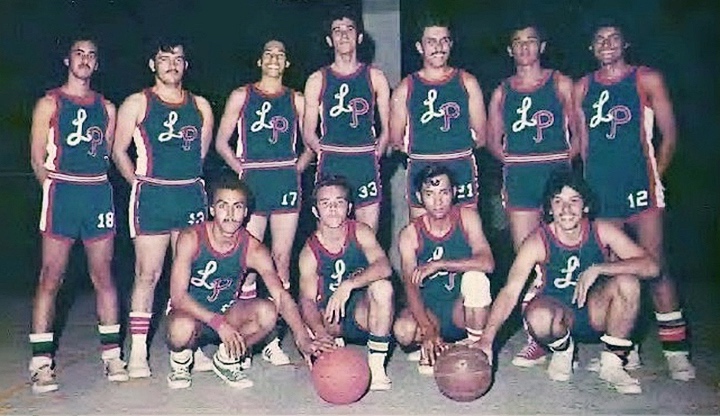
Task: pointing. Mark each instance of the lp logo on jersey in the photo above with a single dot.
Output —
(187, 133)
(541, 120)
(356, 107)
(277, 124)
(616, 116)
(337, 276)
(447, 111)
(216, 286)
(573, 263)
(93, 135)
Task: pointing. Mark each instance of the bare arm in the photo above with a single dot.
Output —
(382, 99)
(565, 91)
(42, 114)
(307, 156)
(653, 85)
(129, 116)
(112, 118)
(496, 125)
(530, 253)
(633, 258)
(228, 124)
(308, 292)
(258, 258)
(476, 109)
(207, 127)
(399, 115)
(313, 88)
(408, 243)
(578, 117)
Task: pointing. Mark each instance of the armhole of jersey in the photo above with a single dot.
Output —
(201, 237)
(642, 95)
(418, 234)
(461, 79)
(148, 100)
(543, 233)
(244, 246)
(54, 119)
(604, 248)
(461, 224)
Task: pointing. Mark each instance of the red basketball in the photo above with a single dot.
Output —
(341, 376)
(462, 373)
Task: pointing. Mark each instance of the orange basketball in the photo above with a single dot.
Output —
(341, 376)
(462, 373)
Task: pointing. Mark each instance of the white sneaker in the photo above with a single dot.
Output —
(232, 374)
(679, 365)
(531, 355)
(138, 367)
(380, 382)
(633, 361)
(561, 363)
(612, 371)
(274, 354)
(180, 377)
(115, 370)
(413, 356)
(201, 362)
(246, 363)
(425, 369)
(43, 379)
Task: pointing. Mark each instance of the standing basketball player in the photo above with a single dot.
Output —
(172, 131)
(266, 115)
(581, 296)
(345, 289)
(72, 132)
(529, 132)
(617, 106)
(445, 257)
(344, 96)
(438, 115)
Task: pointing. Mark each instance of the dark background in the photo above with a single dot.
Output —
(224, 41)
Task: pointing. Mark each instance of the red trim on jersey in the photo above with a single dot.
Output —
(584, 223)
(371, 112)
(454, 214)
(513, 81)
(605, 248)
(55, 123)
(242, 136)
(267, 95)
(185, 97)
(348, 76)
(448, 78)
(205, 237)
(607, 82)
(645, 141)
(323, 88)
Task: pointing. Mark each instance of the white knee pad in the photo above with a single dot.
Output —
(475, 289)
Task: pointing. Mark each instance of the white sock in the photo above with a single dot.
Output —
(180, 359)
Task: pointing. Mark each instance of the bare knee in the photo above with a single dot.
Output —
(545, 319)
(404, 329)
(627, 287)
(147, 276)
(52, 275)
(266, 314)
(181, 331)
(381, 292)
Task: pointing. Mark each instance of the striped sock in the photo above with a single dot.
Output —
(43, 349)
(248, 291)
(139, 328)
(109, 341)
(672, 331)
(474, 335)
(378, 347)
(618, 346)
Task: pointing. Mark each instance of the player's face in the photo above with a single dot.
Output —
(526, 47)
(273, 60)
(608, 45)
(229, 209)
(344, 36)
(437, 196)
(332, 206)
(435, 46)
(82, 60)
(169, 67)
(568, 208)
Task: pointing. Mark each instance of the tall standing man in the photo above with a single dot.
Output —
(71, 135)
(172, 131)
(266, 115)
(617, 107)
(438, 115)
(529, 131)
(344, 96)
